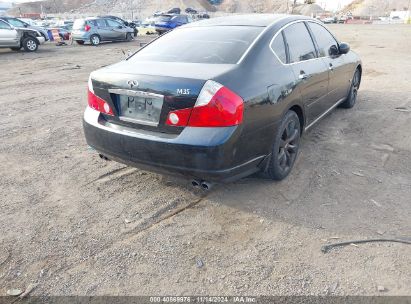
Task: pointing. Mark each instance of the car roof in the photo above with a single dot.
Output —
(261, 20)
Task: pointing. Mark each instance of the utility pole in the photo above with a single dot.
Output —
(294, 5)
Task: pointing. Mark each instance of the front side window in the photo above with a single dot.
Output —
(299, 42)
(4, 26)
(323, 38)
(215, 45)
(112, 23)
(278, 48)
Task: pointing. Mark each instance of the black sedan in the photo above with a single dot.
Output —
(221, 99)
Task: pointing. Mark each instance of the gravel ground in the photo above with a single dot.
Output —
(77, 225)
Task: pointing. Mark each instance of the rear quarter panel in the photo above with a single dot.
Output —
(268, 89)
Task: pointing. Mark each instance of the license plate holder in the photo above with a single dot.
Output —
(139, 107)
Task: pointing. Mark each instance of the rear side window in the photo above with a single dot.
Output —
(323, 38)
(215, 45)
(79, 24)
(299, 42)
(278, 48)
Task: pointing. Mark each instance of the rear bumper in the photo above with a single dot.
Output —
(81, 36)
(201, 153)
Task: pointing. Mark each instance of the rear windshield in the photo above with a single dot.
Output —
(215, 45)
(78, 24)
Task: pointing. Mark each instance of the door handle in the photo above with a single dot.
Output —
(303, 75)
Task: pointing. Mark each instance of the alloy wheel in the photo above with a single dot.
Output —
(31, 45)
(95, 40)
(288, 145)
(355, 85)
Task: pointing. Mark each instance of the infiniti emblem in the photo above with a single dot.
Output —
(132, 83)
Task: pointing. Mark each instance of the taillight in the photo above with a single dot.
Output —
(87, 28)
(216, 106)
(96, 102)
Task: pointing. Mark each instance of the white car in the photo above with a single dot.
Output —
(17, 38)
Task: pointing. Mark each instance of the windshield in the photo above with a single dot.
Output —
(16, 22)
(216, 45)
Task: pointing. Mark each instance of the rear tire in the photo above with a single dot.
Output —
(80, 42)
(352, 96)
(285, 148)
(30, 44)
(95, 40)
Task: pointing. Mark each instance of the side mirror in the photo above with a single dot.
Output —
(344, 48)
(333, 51)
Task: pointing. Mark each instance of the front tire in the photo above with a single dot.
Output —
(285, 148)
(95, 40)
(352, 96)
(129, 37)
(30, 44)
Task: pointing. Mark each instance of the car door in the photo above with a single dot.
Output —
(117, 30)
(311, 73)
(339, 80)
(9, 37)
(102, 29)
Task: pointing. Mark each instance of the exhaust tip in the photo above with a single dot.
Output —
(103, 157)
(195, 183)
(206, 186)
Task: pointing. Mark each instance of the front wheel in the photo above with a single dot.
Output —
(352, 96)
(129, 37)
(30, 44)
(285, 148)
(95, 40)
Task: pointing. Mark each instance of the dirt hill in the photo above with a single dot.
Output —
(376, 7)
(147, 7)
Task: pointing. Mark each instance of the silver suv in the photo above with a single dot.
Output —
(96, 30)
(17, 38)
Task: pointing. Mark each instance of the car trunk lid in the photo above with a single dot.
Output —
(142, 94)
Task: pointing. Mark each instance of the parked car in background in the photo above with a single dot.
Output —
(190, 10)
(96, 30)
(21, 24)
(124, 22)
(329, 20)
(19, 37)
(63, 32)
(167, 22)
(220, 99)
(175, 10)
